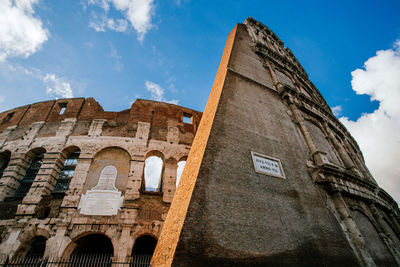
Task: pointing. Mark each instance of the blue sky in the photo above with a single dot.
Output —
(182, 47)
(120, 50)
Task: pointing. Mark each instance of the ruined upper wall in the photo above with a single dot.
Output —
(123, 123)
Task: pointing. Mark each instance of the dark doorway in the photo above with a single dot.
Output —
(94, 248)
(38, 247)
(143, 250)
(94, 244)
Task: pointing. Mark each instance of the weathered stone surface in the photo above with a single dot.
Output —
(225, 213)
(121, 139)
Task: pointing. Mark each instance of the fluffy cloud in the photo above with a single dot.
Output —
(57, 86)
(337, 110)
(378, 133)
(21, 34)
(157, 92)
(137, 12)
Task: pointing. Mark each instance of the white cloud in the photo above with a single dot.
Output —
(2, 98)
(57, 86)
(157, 92)
(337, 110)
(137, 12)
(378, 133)
(21, 34)
(100, 24)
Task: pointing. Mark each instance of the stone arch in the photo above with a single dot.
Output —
(390, 230)
(373, 241)
(115, 156)
(153, 172)
(27, 237)
(70, 248)
(144, 244)
(4, 160)
(33, 158)
(69, 161)
(66, 151)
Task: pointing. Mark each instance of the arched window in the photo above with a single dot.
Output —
(181, 166)
(67, 172)
(30, 175)
(4, 160)
(152, 174)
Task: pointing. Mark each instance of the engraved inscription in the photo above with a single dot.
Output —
(103, 199)
(267, 165)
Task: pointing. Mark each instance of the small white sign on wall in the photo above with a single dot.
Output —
(267, 165)
(104, 199)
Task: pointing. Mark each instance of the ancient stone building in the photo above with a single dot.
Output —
(73, 176)
(273, 178)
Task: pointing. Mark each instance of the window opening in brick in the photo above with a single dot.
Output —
(4, 160)
(29, 176)
(63, 107)
(187, 118)
(181, 166)
(67, 172)
(152, 174)
(8, 117)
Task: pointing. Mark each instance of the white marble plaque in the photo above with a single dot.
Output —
(267, 165)
(104, 199)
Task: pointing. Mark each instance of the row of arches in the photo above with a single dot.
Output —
(89, 246)
(152, 174)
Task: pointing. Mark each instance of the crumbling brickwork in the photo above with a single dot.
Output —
(56, 129)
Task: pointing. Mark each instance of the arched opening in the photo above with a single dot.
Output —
(4, 160)
(143, 249)
(67, 172)
(37, 156)
(110, 156)
(93, 248)
(181, 166)
(152, 174)
(38, 246)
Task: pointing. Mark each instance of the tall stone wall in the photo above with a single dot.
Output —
(123, 139)
(273, 178)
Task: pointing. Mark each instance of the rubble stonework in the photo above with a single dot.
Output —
(122, 139)
(326, 210)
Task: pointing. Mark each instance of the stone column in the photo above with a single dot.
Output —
(169, 182)
(13, 174)
(318, 156)
(5, 133)
(134, 180)
(355, 239)
(56, 245)
(383, 233)
(75, 190)
(43, 184)
(339, 148)
(125, 244)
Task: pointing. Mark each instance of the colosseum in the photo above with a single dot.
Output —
(44, 145)
(271, 177)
